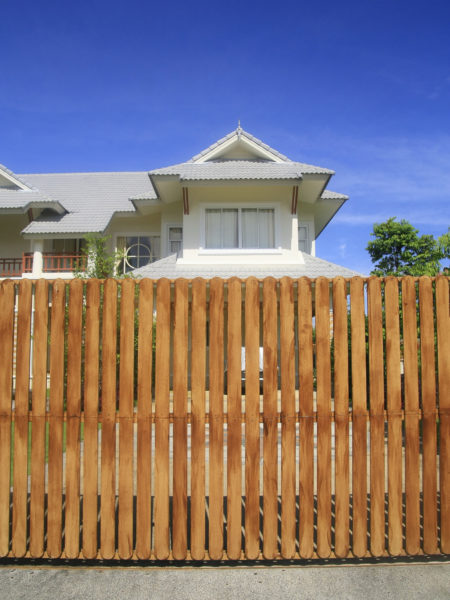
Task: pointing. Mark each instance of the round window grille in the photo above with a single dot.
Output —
(137, 255)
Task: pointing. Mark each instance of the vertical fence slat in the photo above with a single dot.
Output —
(411, 416)
(162, 381)
(126, 425)
(55, 438)
(144, 420)
(270, 441)
(90, 456)
(323, 362)
(198, 373)
(394, 407)
(108, 399)
(287, 349)
(443, 338)
(6, 362)
(341, 416)
(252, 437)
(359, 425)
(72, 516)
(234, 442)
(216, 383)
(376, 379)
(305, 371)
(180, 382)
(428, 377)
(39, 397)
(20, 479)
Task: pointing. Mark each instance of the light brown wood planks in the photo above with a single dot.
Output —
(341, 416)
(7, 298)
(20, 465)
(443, 339)
(72, 513)
(126, 426)
(180, 382)
(144, 420)
(376, 379)
(55, 445)
(91, 382)
(198, 374)
(162, 375)
(306, 370)
(323, 362)
(216, 414)
(394, 407)
(252, 436)
(270, 440)
(288, 418)
(429, 439)
(108, 407)
(359, 426)
(411, 416)
(234, 428)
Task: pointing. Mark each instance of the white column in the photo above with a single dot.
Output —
(37, 247)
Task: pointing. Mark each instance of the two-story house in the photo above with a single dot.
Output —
(237, 208)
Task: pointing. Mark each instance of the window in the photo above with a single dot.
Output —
(138, 251)
(175, 240)
(303, 242)
(239, 228)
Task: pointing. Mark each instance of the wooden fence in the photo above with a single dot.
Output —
(128, 430)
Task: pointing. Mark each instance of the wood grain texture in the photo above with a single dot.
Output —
(144, 420)
(443, 340)
(180, 384)
(341, 417)
(306, 405)
(7, 298)
(126, 426)
(288, 462)
(72, 514)
(394, 407)
(429, 439)
(270, 439)
(91, 394)
(252, 434)
(234, 428)
(198, 375)
(108, 406)
(323, 362)
(162, 375)
(55, 445)
(411, 416)
(376, 380)
(216, 415)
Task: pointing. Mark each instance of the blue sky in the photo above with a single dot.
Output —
(362, 87)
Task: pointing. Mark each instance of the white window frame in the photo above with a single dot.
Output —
(223, 251)
(137, 234)
(169, 226)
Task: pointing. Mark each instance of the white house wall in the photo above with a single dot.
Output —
(12, 244)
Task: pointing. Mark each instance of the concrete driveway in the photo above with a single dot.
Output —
(421, 580)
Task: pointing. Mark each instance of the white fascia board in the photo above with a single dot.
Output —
(10, 176)
(243, 139)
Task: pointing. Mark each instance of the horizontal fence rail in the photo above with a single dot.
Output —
(224, 419)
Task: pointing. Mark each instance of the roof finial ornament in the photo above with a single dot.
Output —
(239, 128)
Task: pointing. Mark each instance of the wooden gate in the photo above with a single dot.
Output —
(224, 419)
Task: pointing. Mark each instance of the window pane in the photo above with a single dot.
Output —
(303, 238)
(230, 228)
(249, 223)
(213, 220)
(266, 228)
(175, 234)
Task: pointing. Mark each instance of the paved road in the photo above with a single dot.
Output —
(424, 581)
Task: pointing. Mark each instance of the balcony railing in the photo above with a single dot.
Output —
(56, 263)
(11, 267)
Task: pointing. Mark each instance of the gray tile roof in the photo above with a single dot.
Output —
(329, 195)
(90, 198)
(240, 170)
(15, 200)
(313, 267)
(244, 134)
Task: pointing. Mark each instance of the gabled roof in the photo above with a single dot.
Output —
(14, 201)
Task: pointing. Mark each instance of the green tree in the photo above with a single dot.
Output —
(99, 263)
(398, 249)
